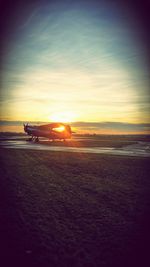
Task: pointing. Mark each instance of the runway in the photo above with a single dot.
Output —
(140, 148)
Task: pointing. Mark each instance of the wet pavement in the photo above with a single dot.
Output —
(140, 148)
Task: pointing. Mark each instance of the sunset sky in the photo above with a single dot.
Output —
(79, 61)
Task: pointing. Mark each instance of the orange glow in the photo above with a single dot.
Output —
(59, 129)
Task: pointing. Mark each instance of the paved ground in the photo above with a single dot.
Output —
(84, 145)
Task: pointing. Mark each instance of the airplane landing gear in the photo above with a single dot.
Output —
(36, 140)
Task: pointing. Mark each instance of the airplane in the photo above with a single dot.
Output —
(55, 130)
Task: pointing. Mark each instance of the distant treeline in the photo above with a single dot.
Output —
(94, 127)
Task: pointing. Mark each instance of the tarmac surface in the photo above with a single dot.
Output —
(140, 148)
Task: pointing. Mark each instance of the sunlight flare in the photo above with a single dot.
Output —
(59, 129)
(66, 116)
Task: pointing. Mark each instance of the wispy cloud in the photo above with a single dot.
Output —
(80, 58)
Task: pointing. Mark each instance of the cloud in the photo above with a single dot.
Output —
(109, 125)
(79, 57)
(95, 126)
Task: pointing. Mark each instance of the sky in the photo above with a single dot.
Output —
(75, 61)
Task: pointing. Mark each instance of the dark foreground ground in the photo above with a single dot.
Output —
(72, 209)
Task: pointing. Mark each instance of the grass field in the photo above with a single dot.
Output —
(72, 209)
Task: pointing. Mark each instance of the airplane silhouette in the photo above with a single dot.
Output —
(56, 130)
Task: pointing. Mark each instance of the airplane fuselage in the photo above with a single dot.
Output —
(50, 131)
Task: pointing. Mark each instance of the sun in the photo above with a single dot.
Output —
(65, 116)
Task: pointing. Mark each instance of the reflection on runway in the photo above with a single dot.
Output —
(139, 149)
